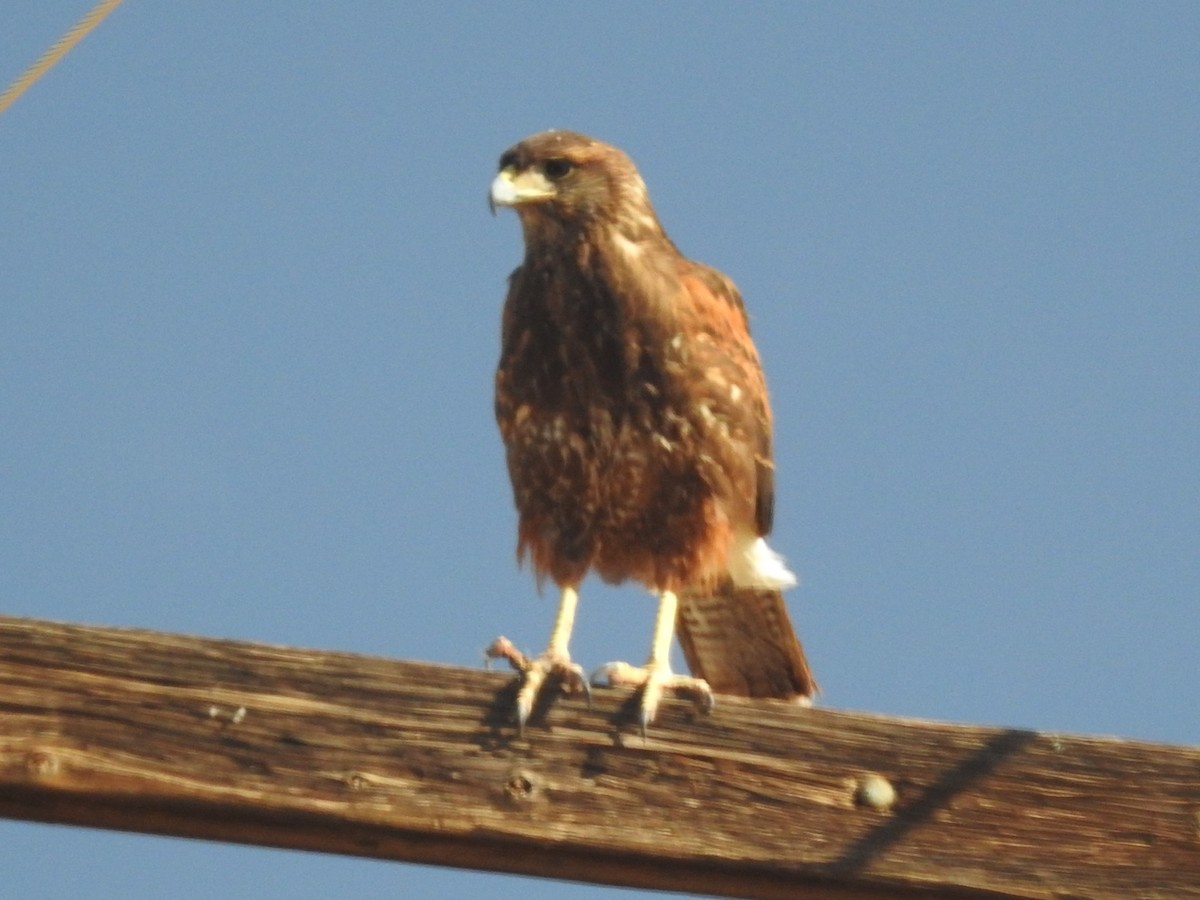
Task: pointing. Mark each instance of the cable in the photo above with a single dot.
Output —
(57, 52)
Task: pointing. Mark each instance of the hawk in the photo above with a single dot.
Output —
(634, 415)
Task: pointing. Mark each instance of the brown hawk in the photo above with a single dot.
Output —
(634, 413)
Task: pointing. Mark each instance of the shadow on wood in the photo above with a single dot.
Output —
(169, 734)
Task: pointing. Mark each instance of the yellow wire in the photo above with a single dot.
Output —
(57, 52)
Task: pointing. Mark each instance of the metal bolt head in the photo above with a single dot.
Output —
(875, 792)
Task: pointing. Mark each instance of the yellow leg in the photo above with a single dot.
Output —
(656, 676)
(564, 623)
(664, 630)
(555, 661)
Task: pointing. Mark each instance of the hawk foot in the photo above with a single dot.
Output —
(553, 667)
(654, 680)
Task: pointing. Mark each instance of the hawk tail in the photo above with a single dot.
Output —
(741, 641)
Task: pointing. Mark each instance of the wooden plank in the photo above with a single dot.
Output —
(169, 734)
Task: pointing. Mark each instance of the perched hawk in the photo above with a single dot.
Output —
(634, 413)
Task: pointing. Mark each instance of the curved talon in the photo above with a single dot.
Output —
(576, 681)
(534, 676)
(503, 648)
(618, 674)
(554, 665)
(535, 673)
(653, 681)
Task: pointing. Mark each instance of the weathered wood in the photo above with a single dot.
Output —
(169, 734)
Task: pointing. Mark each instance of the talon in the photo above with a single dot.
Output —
(535, 673)
(653, 681)
(503, 648)
(618, 674)
(553, 665)
(574, 681)
(652, 692)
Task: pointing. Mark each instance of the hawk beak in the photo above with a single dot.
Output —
(512, 188)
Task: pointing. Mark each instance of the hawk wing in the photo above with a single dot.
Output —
(738, 638)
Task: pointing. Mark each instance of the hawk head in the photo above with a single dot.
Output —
(561, 181)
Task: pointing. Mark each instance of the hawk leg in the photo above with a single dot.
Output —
(656, 677)
(554, 663)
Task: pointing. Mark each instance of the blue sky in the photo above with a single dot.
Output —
(250, 312)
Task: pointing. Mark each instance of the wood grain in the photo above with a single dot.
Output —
(169, 734)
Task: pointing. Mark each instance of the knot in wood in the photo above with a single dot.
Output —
(41, 764)
(520, 787)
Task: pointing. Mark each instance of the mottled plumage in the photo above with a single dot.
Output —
(634, 413)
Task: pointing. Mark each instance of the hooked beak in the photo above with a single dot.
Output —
(512, 188)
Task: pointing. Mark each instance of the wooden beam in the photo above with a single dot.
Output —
(168, 734)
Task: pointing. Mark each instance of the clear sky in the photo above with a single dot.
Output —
(249, 304)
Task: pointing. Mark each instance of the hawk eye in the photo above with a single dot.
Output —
(556, 168)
